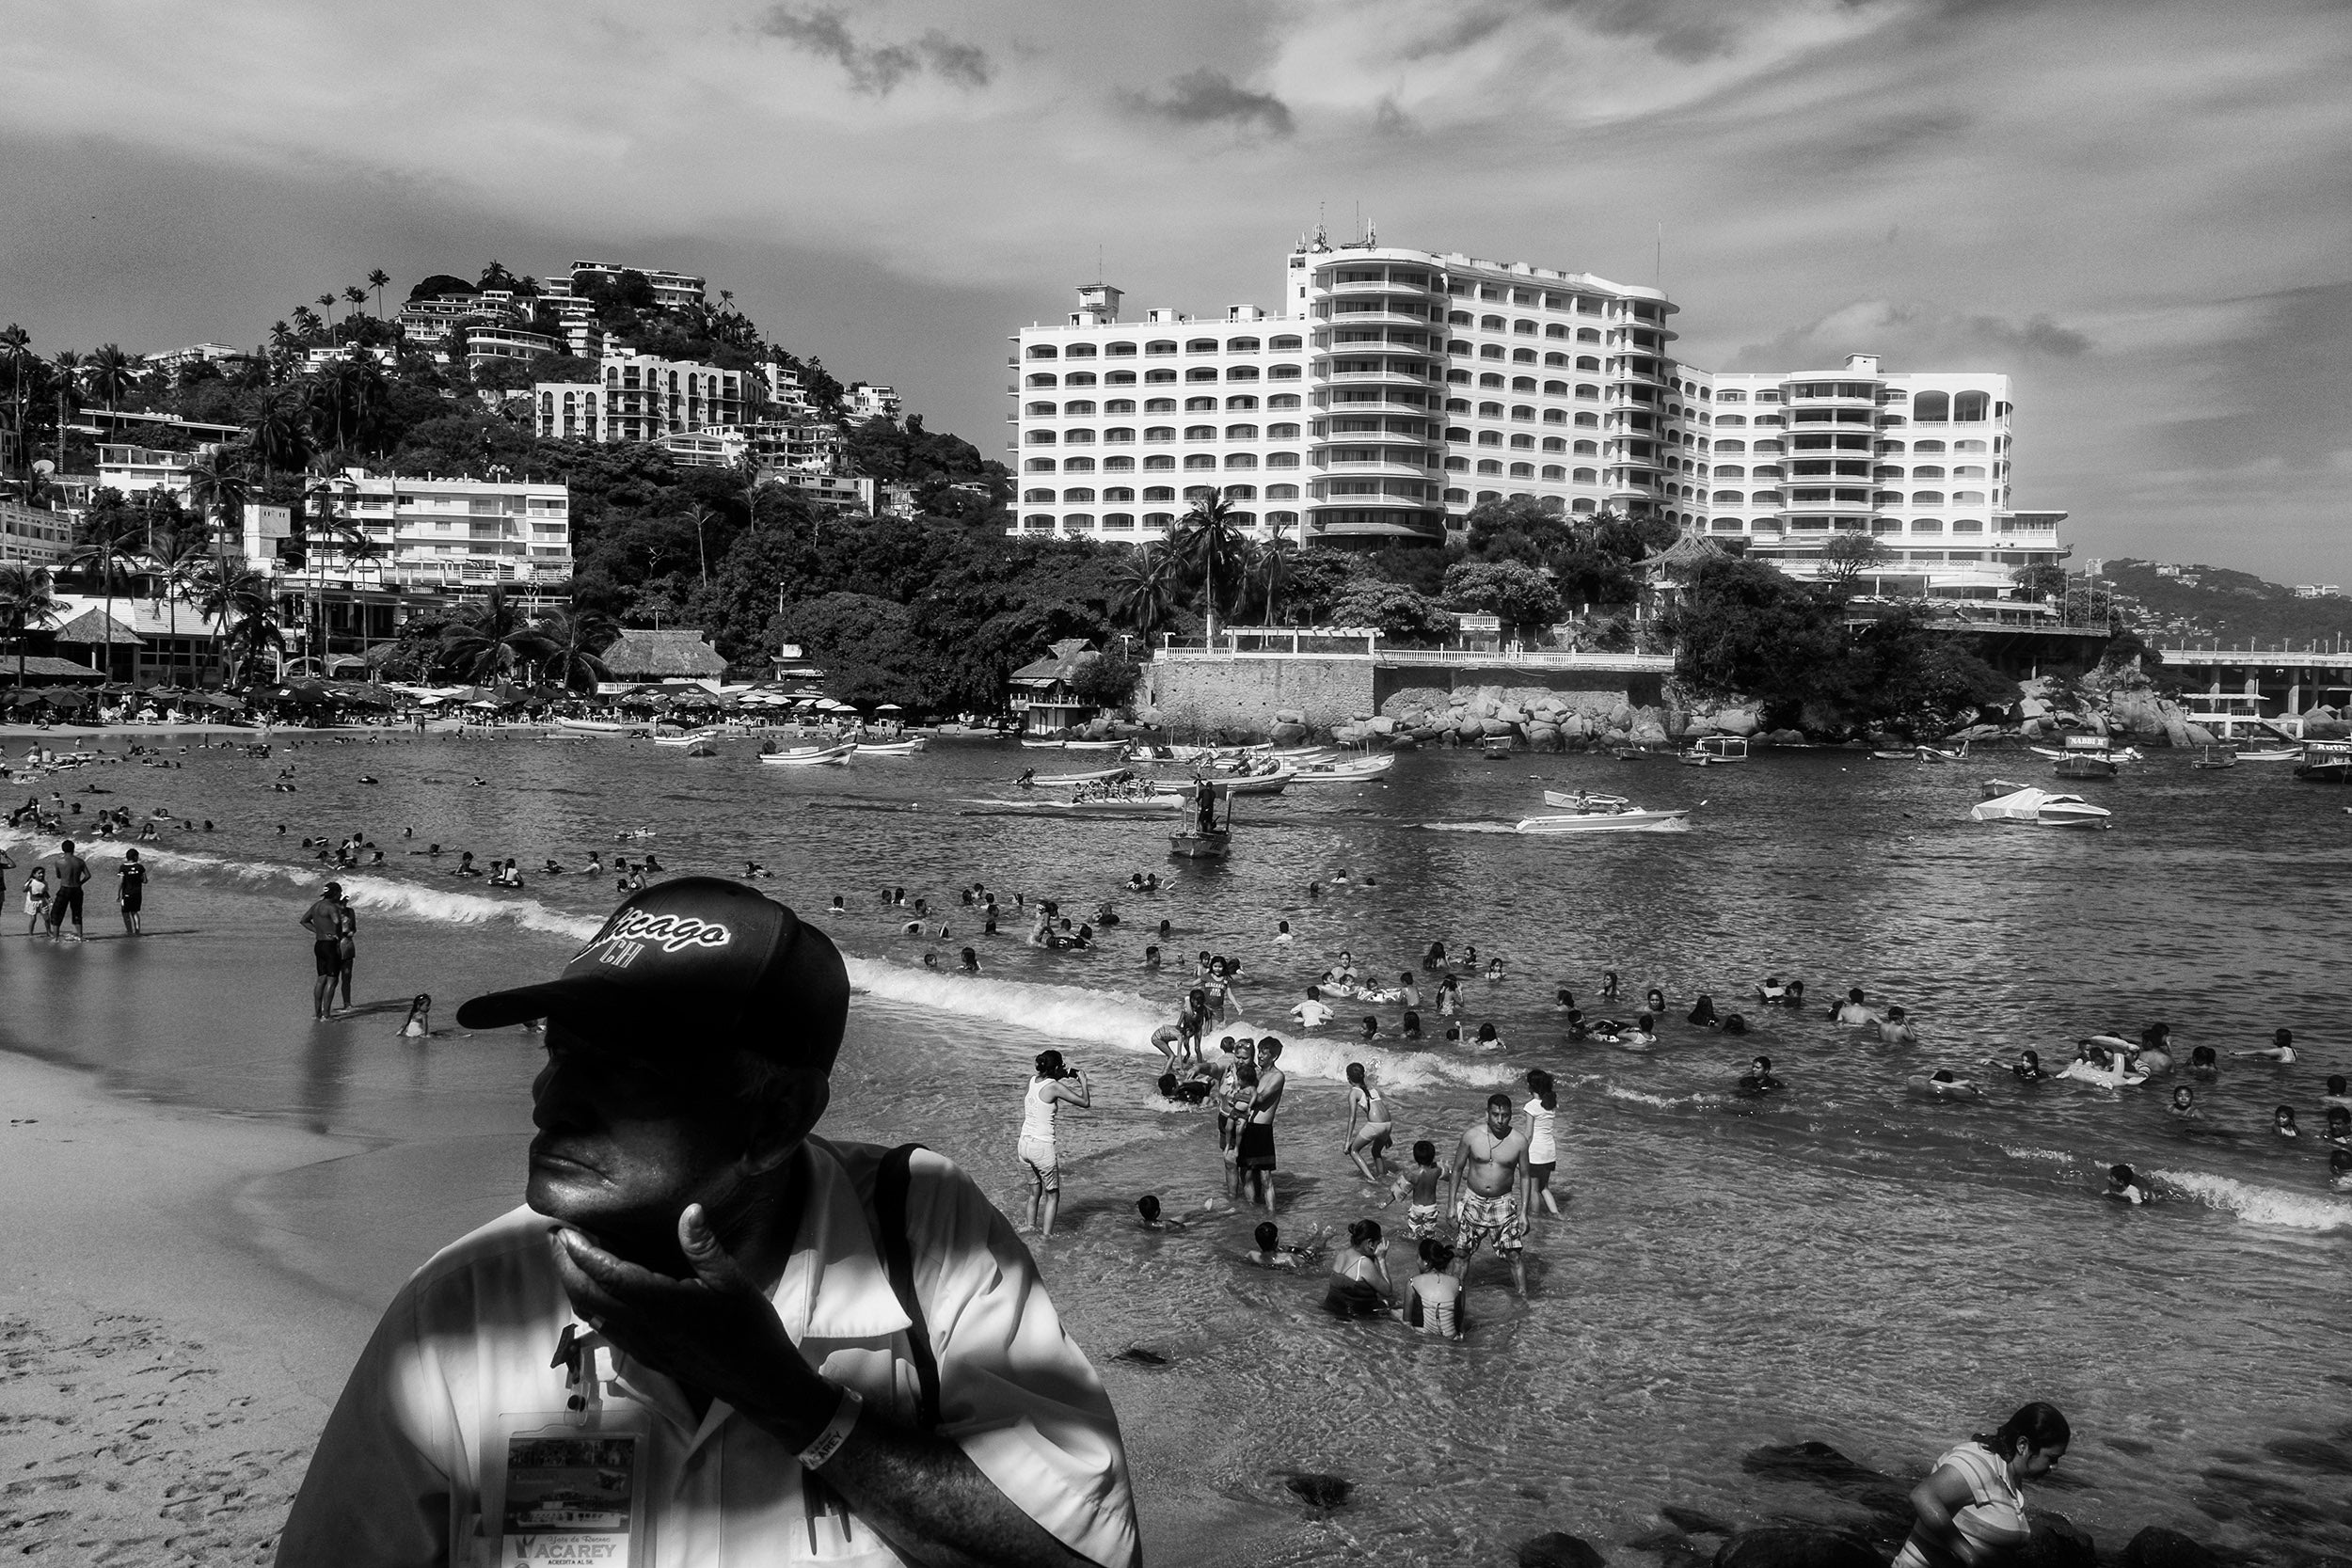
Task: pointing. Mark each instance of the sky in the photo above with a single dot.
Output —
(2139, 210)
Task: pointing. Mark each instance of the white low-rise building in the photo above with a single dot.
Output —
(672, 291)
(431, 532)
(134, 469)
(862, 400)
(35, 536)
(642, 398)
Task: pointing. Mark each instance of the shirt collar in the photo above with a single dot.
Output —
(834, 1286)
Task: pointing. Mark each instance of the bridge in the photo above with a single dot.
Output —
(2230, 689)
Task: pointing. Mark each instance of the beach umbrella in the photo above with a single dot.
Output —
(890, 707)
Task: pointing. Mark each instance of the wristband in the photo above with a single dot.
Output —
(828, 1442)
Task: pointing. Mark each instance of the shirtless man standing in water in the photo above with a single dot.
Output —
(1254, 1160)
(1490, 1161)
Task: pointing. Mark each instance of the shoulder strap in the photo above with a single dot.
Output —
(890, 1203)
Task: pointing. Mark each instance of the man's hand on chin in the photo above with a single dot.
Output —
(716, 1332)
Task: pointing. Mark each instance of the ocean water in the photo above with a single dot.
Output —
(1847, 1262)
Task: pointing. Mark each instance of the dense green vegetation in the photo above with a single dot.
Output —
(2232, 608)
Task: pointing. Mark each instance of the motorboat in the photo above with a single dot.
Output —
(1715, 750)
(1343, 772)
(2215, 757)
(2097, 747)
(1207, 833)
(1584, 812)
(1253, 783)
(692, 737)
(1054, 781)
(811, 756)
(604, 726)
(2276, 753)
(1059, 745)
(2031, 807)
(906, 747)
(2325, 762)
(1115, 807)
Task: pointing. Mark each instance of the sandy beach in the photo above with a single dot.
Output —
(164, 1379)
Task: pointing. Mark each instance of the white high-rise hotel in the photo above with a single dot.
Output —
(1403, 388)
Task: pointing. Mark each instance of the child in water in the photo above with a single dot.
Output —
(2124, 1187)
(2282, 1122)
(2185, 1105)
(1433, 1298)
(420, 1024)
(1272, 1254)
(2339, 1127)
(1419, 1186)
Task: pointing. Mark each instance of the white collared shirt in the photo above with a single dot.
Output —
(398, 1477)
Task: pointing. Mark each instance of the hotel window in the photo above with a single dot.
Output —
(1159, 405)
(1489, 465)
(1555, 416)
(1119, 405)
(1201, 345)
(1038, 466)
(1082, 405)
(1037, 351)
(1968, 525)
(1158, 378)
(1079, 494)
(1968, 470)
(1199, 460)
(1242, 372)
(1558, 360)
(1730, 470)
(1199, 433)
(1079, 438)
(1553, 443)
(1556, 474)
(1119, 351)
(1158, 493)
(1159, 433)
(1037, 498)
(1119, 464)
(1588, 422)
(1201, 406)
(1078, 378)
(1523, 470)
(1521, 411)
(1241, 345)
(1044, 378)
(1967, 497)
(1523, 443)
(1039, 437)
(1039, 410)
(1490, 323)
(1282, 433)
(1160, 345)
(1926, 472)
(1281, 493)
(1118, 433)
(1490, 437)
(1077, 465)
(1119, 378)
(1926, 498)
(1241, 402)
(1158, 462)
(1283, 400)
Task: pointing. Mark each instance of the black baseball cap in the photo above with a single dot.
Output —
(695, 958)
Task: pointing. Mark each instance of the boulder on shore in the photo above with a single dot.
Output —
(1287, 733)
(1736, 721)
(1557, 1549)
(2158, 1548)
(2057, 1541)
(1798, 1546)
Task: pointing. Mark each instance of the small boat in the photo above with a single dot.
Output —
(1587, 813)
(1208, 831)
(1343, 772)
(1049, 780)
(1628, 753)
(2085, 765)
(693, 737)
(2325, 762)
(811, 756)
(702, 749)
(1496, 745)
(890, 748)
(1149, 807)
(1080, 745)
(1715, 750)
(1255, 784)
(2215, 757)
(2088, 745)
(2283, 754)
(2031, 807)
(604, 726)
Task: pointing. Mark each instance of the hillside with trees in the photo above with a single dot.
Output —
(2214, 603)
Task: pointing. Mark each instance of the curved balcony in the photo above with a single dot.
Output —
(1327, 406)
(1378, 438)
(1378, 318)
(1387, 376)
(1369, 469)
(1388, 287)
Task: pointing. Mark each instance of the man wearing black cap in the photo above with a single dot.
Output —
(712, 1337)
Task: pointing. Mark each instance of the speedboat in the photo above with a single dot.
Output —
(603, 726)
(1587, 813)
(891, 748)
(2028, 806)
(1715, 750)
(1344, 772)
(811, 756)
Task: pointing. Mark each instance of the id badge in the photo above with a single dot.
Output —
(569, 1488)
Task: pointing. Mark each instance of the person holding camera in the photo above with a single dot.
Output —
(1057, 1084)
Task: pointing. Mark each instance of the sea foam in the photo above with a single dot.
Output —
(2259, 1205)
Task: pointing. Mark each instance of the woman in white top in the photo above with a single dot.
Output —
(1054, 1085)
(1543, 1152)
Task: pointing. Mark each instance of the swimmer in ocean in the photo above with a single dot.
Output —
(2028, 1068)
(2282, 1122)
(1608, 985)
(1703, 1013)
(1369, 1029)
(1853, 1012)
(1494, 970)
(1434, 959)
(1487, 1038)
(2201, 1062)
(1894, 1029)
(1947, 1084)
(1772, 991)
(420, 1021)
(969, 962)
(2340, 1170)
(1282, 931)
(2279, 1049)
(2339, 1127)
(837, 908)
(1758, 1079)
(2185, 1105)
(2124, 1187)
(2336, 1094)
(1152, 957)
(1563, 999)
(1655, 1000)
(1410, 1028)
(2155, 1048)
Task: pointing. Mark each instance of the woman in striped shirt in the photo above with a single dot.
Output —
(1972, 1506)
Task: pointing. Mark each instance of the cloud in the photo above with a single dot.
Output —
(1914, 337)
(876, 69)
(1206, 97)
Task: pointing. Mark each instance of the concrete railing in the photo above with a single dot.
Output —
(1367, 651)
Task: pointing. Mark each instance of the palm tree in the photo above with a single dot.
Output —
(218, 487)
(1271, 569)
(16, 347)
(355, 296)
(24, 603)
(181, 563)
(1145, 587)
(326, 302)
(377, 278)
(493, 638)
(1210, 537)
(754, 476)
(109, 554)
(278, 436)
(110, 371)
(574, 639)
(702, 516)
(243, 604)
(327, 529)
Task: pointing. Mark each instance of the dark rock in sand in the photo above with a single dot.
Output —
(2158, 1548)
(2312, 1453)
(1678, 1549)
(1140, 1356)
(1557, 1550)
(1691, 1519)
(1820, 1466)
(2057, 1541)
(1320, 1491)
(1798, 1547)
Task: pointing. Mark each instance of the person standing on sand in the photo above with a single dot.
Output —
(324, 920)
(131, 894)
(1490, 1176)
(68, 873)
(346, 943)
(778, 1348)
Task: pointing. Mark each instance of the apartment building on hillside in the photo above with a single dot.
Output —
(642, 398)
(429, 532)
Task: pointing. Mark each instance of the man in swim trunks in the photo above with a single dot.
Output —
(1490, 1182)
(67, 872)
(1254, 1157)
(324, 921)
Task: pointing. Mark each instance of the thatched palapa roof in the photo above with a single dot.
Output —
(672, 654)
(1061, 662)
(92, 625)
